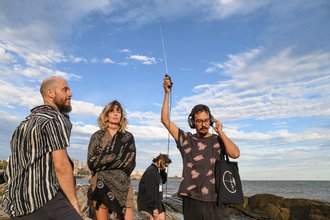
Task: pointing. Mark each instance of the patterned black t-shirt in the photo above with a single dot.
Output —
(198, 157)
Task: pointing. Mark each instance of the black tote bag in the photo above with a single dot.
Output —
(228, 181)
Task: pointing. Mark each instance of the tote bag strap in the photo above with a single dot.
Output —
(223, 154)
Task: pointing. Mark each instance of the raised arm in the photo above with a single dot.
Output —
(165, 119)
(231, 148)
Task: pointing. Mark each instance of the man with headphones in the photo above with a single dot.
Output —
(199, 153)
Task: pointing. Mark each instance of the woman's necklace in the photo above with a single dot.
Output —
(113, 129)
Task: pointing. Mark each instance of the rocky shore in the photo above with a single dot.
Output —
(268, 206)
(81, 194)
(260, 206)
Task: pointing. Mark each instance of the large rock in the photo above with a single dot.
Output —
(268, 206)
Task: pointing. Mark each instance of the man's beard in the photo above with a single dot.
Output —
(62, 107)
(203, 132)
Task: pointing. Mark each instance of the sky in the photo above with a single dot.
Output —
(262, 66)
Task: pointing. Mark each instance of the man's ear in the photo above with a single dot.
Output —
(50, 93)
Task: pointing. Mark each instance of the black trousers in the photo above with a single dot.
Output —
(58, 208)
(199, 210)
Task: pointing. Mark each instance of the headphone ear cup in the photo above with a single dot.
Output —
(191, 122)
(211, 120)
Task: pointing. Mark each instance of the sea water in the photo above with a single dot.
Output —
(314, 190)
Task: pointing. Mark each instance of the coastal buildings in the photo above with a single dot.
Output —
(136, 175)
(80, 170)
(75, 167)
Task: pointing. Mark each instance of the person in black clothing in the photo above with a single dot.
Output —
(150, 192)
(111, 159)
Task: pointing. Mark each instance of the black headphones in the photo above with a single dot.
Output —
(197, 108)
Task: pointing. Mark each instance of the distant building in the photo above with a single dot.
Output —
(75, 167)
(84, 171)
(136, 175)
(84, 165)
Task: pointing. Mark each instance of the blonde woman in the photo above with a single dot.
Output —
(111, 159)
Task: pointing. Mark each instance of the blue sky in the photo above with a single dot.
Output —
(263, 67)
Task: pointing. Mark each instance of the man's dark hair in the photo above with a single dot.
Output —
(199, 108)
(162, 157)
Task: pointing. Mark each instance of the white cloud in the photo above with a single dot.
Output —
(19, 95)
(144, 118)
(43, 57)
(148, 132)
(144, 12)
(44, 23)
(9, 119)
(235, 62)
(85, 108)
(279, 87)
(6, 57)
(122, 63)
(77, 59)
(108, 60)
(125, 51)
(218, 10)
(285, 68)
(82, 130)
(143, 59)
(64, 75)
(94, 60)
(277, 137)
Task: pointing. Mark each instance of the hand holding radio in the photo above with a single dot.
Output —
(167, 82)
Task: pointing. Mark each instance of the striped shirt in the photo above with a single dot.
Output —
(31, 176)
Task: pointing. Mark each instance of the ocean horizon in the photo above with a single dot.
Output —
(300, 189)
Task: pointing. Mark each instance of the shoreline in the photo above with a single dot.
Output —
(313, 190)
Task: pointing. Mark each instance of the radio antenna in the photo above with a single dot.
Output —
(164, 53)
(166, 75)
(170, 104)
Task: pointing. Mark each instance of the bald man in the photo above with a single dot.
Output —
(39, 175)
